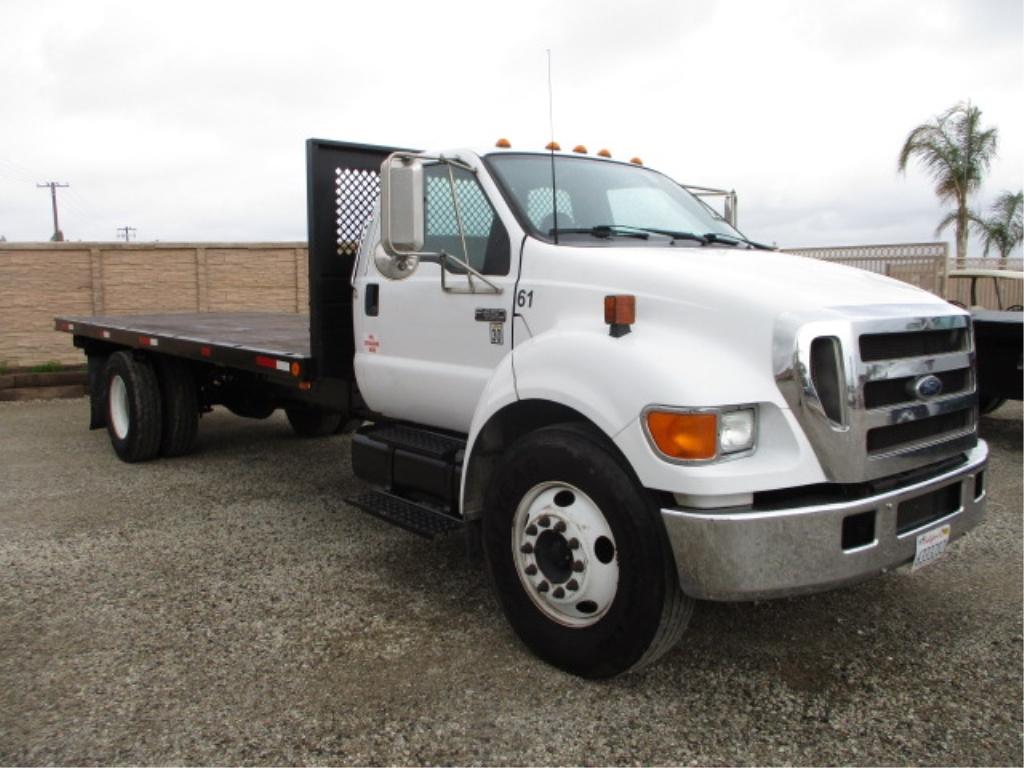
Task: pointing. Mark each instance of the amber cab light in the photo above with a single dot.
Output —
(503, 144)
(684, 436)
(620, 313)
(553, 146)
(620, 309)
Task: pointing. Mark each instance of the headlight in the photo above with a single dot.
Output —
(736, 430)
(700, 434)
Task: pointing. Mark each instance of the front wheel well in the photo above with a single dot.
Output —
(502, 430)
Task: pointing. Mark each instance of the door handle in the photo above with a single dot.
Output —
(371, 300)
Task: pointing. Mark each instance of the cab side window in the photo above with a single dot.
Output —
(486, 238)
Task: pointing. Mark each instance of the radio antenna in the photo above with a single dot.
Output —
(551, 145)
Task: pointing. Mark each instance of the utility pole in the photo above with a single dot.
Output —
(58, 236)
(129, 232)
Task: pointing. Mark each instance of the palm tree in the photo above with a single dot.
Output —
(1004, 228)
(956, 152)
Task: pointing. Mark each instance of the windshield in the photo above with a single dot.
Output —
(597, 199)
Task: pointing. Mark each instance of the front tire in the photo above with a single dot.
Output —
(579, 557)
(133, 411)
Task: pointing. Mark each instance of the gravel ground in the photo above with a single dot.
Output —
(230, 608)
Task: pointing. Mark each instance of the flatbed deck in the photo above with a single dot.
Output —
(276, 344)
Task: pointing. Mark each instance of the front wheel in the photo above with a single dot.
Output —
(579, 557)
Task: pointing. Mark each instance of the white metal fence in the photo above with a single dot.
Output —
(920, 264)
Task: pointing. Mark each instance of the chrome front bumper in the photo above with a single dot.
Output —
(753, 555)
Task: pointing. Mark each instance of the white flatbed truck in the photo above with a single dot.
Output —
(623, 401)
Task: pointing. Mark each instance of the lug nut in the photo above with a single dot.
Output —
(531, 530)
(574, 543)
(560, 526)
(572, 585)
(531, 570)
(559, 592)
(544, 521)
(578, 566)
(527, 548)
(543, 587)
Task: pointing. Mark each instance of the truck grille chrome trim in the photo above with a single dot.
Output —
(913, 400)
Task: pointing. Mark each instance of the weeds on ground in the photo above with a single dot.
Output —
(50, 366)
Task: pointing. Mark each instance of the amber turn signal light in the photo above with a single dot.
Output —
(684, 436)
(620, 314)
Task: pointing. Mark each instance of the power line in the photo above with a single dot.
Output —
(58, 236)
(129, 233)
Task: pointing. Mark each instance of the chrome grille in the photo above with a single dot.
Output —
(906, 382)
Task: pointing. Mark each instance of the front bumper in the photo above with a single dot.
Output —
(752, 555)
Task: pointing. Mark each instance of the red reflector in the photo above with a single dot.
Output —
(206, 352)
(266, 362)
(620, 310)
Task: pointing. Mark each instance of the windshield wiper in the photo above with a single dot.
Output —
(603, 231)
(714, 237)
(627, 230)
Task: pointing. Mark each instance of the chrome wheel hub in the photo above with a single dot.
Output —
(565, 554)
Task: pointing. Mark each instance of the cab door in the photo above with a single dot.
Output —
(426, 345)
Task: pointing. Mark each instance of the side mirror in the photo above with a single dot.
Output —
(401, 208)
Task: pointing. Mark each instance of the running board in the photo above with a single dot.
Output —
(417, 518)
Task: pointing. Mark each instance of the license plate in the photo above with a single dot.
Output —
(930, 547)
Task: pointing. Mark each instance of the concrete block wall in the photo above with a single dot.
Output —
(40, 281)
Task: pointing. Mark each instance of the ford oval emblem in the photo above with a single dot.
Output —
(927, 386)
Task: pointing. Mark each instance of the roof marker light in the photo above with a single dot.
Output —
(604, 153)
(503, 144)
(553, 146)
(636, 161)
(580, 149)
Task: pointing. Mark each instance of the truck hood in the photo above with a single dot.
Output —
(769, 281)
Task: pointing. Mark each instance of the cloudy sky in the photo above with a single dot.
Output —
(186, 120)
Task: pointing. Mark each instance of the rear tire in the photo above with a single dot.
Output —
(180, 407)
(579, 557)
(310, 421)
(133, 409)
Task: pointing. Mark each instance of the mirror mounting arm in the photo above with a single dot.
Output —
(444, 257)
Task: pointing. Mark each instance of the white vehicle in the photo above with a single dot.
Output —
(623, 400)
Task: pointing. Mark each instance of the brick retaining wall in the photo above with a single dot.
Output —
(38, 281)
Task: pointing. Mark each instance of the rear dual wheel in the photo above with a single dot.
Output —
(579, 556)
(150, 410)
(134, 412)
